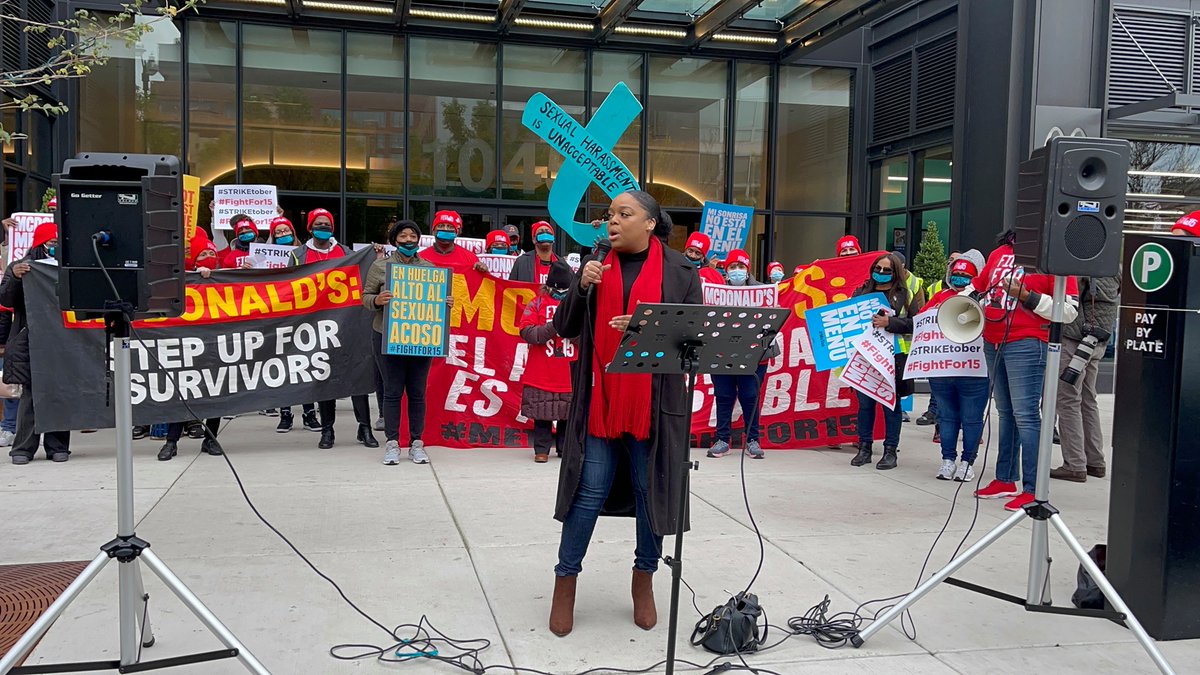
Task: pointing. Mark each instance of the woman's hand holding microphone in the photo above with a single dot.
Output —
(593, 273)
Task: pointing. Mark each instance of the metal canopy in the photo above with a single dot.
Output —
(776, 29)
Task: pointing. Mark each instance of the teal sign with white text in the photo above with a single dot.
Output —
(587, 151)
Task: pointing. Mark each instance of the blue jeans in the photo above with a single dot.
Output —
(600, 459)
(866, 421)
(1018, 373)
(960, 402)
(9, 422)
(745, 389)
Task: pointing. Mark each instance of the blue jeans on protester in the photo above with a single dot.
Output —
(743, 388)
(960, 402)
(600, 459)
(1018, 373)
(866, 421)
(9, 422)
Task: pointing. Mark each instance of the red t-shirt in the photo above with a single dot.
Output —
(938, 298)
(458, 259)
(231, 258)
(548, 366)
(997, 303)
(312, 255)
(710, 276)
(541, 270)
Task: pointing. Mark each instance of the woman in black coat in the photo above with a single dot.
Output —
(627, 435)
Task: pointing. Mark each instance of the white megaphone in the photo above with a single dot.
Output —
(960, 318)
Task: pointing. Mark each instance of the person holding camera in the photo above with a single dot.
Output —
(1078, 413)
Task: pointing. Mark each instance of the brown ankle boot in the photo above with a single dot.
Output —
(645, 614)
(562, 608)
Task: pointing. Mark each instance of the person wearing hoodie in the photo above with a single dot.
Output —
(17, 369)
(535, 265)
(741, 388)
(403, 375)
(245, 232)
(323, 246)
(960, 401)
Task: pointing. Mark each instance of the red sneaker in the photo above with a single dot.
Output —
(1022, 500)
(998, 490)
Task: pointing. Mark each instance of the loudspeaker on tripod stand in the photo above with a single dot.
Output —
(1071, 207)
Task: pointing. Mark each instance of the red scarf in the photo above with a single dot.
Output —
(621, 403)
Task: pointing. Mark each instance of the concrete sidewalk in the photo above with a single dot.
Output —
(469, 541)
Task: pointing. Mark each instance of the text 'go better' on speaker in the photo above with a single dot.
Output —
(1071, 206)
(137, 202)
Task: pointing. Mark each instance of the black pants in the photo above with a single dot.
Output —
(26, 442)
(175, 429)
(544, 435)
(402, 375)
(287, 409)
(362, 411)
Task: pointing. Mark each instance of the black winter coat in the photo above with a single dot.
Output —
(16, 353)
(670, 429)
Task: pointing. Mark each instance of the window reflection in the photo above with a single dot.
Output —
(890, 181)
(750, 134)
(686, 135)
(375, 113)
(799, 240)
(530, 164)
(212, 103)
(1164, 184)
(813, 139)
(609, 69)
(933, 175)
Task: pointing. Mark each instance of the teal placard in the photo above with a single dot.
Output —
(587, 152)
(418, 320)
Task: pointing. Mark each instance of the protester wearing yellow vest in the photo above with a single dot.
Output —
(887, 273)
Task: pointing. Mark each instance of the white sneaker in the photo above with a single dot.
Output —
(417, 453)
(391, 454)
(6, 439)
(965, 473)
(379, 423)
(947, 471)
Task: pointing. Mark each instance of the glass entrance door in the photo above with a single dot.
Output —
(477, 220)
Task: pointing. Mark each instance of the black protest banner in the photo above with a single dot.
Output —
(247, 340)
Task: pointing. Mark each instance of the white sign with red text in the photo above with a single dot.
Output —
(260, 202)
(872, 366)
(20, 236)
(498, 265)
(269, 256)
(741, 296)
(934, 355)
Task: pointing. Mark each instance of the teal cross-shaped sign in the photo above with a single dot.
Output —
(587, 154)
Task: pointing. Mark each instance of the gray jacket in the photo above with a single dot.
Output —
(1099, 298)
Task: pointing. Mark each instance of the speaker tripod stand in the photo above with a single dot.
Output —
(1042, 513)
(130, 552)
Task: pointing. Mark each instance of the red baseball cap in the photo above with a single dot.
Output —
(848, 242)
(1189, 224)
(737, 255)
(448, 218)
(699, 241)
(496, 238)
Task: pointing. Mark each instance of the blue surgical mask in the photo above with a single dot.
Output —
(284, 241)
(545, 238)
(559, 295)
(881, 277)
(776, 277)
(246, 237)
(323, 235)
(445, 235)
(738, 277)
(697, 262)
(498, 250)
(959, 281)
(408, 250)
(50, 250)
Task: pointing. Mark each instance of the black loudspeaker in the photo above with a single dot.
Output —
(133, 206)
(1071, 206)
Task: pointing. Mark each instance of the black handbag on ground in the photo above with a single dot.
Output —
(1087, 594)
(732, 628)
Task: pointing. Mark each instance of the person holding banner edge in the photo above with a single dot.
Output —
(887, 274)
(546, 396)
(634, 429)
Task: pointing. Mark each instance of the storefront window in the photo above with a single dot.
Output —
(292, 108)
(375, 113)
(1164, 184)
(933, 175)
(799, 240)
(686, 135)
(609, 69)
(367, 220)
(212, 103)
(939, 218)
(750, 134)
(530, 164)
(132, 103)
(889, 180)
(892, 233)
(452, 118)
(813, 139)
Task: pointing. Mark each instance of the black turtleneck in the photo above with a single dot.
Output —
(631, 267)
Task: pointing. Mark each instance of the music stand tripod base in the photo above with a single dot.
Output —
(672, 339)
(1041, 512)
(130, 552)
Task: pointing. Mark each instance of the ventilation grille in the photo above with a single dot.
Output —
(41, 11)
(936, 65)
(891, 114)
(1164, 39)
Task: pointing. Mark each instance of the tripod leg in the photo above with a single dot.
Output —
(129, 604)
(210, 620)
(146, 633)
(952, 567)
(1111, 594)
(23, 646)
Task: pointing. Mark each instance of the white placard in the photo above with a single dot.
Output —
(741, 296)
(872, 366)
(20, 236)
(498, 265)
(269, 256)
(260, 202)
(934, 355)
(574, 261)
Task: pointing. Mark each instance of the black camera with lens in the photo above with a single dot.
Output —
(1093, 338)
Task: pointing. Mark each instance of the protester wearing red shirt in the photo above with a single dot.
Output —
(1017, 308)
(447, 225)
(535, 265)
(245, 232)
(546, 398)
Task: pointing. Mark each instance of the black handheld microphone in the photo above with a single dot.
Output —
(603, 246)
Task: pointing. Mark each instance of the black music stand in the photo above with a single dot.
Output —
(691, 339)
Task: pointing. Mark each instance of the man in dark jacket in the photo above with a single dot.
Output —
(17, 365)
(534, 266)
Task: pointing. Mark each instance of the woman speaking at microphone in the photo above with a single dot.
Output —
(627, 434)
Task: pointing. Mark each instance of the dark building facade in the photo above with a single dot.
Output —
(872, 117)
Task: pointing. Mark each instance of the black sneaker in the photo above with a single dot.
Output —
(285, 423)
(326, 441)
(169, 450)
(926, 419)
(210, 446)
(269, 412)
(195, 430)
(141, 432)
(310, 421)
